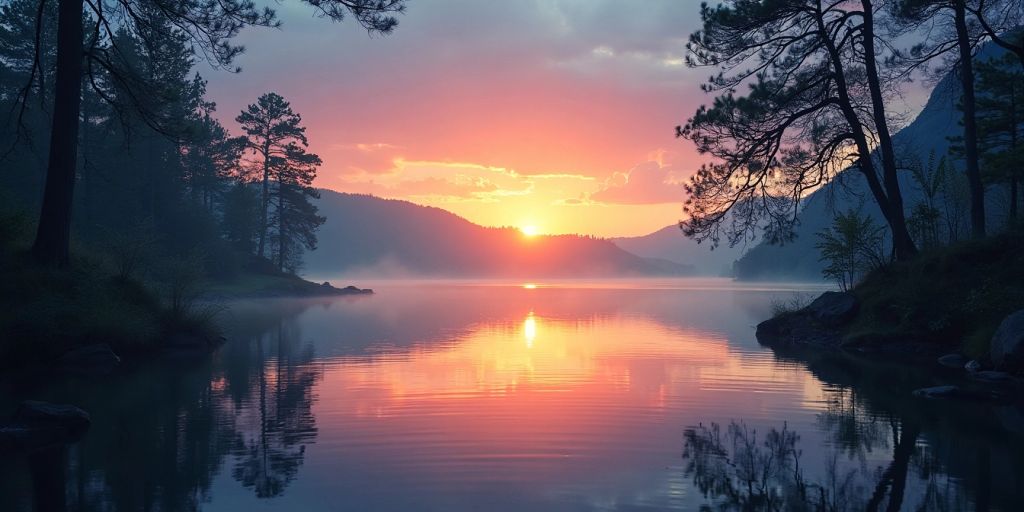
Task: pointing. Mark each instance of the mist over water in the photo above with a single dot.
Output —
(501, 395)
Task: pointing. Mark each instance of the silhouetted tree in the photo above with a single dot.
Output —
(208, 26)
(295, 217)
(1000, 112)
(211, 161)
(958, 38)
(271, 127)
(815, 105)
(851, 247)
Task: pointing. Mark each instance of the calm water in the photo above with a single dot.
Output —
(458, 396)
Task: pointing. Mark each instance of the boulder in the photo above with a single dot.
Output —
(938, 392)
(98, 358)
(992, 377)
(40, 424)
(355, 291)
(973, 366)
(833, 308)
(67, 417)
(955, 393)
(953, 361)
(1007, 346)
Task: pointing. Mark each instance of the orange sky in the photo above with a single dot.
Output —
(558, 114)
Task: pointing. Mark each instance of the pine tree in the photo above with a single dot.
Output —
(271, 127)
(1000, 111)
(295, 216)
(208, 26)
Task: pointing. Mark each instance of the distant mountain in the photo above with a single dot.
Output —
(670, 244)
(928, 134)
(371, 236)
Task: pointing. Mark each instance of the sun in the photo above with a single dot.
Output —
(530, 230)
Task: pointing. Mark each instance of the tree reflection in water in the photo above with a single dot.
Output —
(270, 452)
(248, 408)
(739, 469)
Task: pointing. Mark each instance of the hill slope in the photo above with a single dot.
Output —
(368, 235)
(670, 244)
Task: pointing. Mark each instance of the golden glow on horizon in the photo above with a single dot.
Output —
(530, 230)
(530, 286)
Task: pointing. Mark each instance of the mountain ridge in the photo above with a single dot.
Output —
(372, 236)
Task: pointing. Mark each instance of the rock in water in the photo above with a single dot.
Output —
(67, 417)
(834, 308)
(40, 424)
(955, 393)
(98, 358)
(953, 361)
(938, 392)
(973, 366)
(1008, 342)
(992, 377)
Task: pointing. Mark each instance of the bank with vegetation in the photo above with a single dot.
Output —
(127, 208)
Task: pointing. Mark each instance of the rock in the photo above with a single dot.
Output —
(953, 361)
(1007, 346)
(973, 366)
(993, 377)
(954, 393)
(40, 424)
(98, 358)
(938, 392)
(795, 329)
(326, 284)
(353, 290)
(833, 308)
(68, 417)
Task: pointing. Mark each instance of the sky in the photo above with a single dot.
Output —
(554, 114)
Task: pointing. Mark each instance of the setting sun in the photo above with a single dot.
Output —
(530, 230)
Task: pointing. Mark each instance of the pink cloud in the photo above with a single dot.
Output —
(651, 182)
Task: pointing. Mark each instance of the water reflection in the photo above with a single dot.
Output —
(513, 398)
(273, 433)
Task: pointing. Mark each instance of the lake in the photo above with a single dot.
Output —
(461, 396)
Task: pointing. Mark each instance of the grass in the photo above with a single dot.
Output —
(786, 305)
(955, 295)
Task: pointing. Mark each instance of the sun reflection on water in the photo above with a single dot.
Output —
(530, 329)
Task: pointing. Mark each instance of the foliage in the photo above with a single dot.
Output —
(814, 106)
(284, 171)
(932, 180)
(851, 247)
(795, 302)
(949, 295)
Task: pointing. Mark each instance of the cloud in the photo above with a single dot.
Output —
(442, 181)
(651, 182)
(360, 158)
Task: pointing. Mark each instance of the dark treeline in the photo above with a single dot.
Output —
(122, 190)
(158, 171)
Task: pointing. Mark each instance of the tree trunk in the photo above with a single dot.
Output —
(53, 234)
(902, 242)
(266, 198)
(977, 189)
(280, 226)
(1013, 200)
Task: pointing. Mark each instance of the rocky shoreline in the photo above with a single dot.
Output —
(823, 325)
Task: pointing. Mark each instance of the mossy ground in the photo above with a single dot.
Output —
(954, 296)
